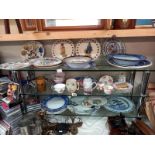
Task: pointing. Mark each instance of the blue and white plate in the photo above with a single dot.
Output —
(141, 64)
(127, 59)
(55, 104)
(119, 105)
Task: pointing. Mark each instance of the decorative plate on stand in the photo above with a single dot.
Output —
(62, 49)
(113, 46)
(32, 50)
(88, 47)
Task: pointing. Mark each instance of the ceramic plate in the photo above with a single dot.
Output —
(46, 62)
(142, 64)
(88, 47)
(119, 105)
(113, 46)
(55, 104)
(62, 49)
(77, 106)
(31, 50)
(106, 80)
(97, 100)
(14, 65)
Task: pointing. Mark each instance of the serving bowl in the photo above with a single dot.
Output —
(127, 59)
(77, 62)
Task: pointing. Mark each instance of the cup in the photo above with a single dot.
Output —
(41, 84)
(72, 85)
(59, 88)
(88, 86)
(108, 89)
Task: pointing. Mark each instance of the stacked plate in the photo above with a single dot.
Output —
(128, 60)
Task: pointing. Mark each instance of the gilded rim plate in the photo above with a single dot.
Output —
(62, 49)
(88, 47)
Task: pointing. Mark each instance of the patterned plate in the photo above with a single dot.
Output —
(46, 62)
(88, 47)
(31, 50)
(62, 49)
(119, 105)
(113, 46)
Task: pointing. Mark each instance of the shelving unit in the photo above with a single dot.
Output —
(138, 32)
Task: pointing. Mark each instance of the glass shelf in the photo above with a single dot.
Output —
(97, 68)
(80, 92)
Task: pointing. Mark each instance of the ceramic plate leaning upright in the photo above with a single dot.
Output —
(88, 47)
(62, 49)
(32, 50)
(113, 46)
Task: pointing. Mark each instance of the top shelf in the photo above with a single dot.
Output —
(138, 32)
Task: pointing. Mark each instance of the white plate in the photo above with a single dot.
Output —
(46, 62)
(88, 47)
(14, 65)
(31, 50)
(62, 49)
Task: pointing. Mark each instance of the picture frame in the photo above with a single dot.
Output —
(29, 24)
(124, 23)
(47, 25)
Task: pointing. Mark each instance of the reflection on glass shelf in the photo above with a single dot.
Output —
(80, 92)
(97, 68)
(102, 112)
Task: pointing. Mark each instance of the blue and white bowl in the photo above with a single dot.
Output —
(78, 62)
(127, 59)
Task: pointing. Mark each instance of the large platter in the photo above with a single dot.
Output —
(62, 49)
(142, 64)
(55, 104)
(88, 47)
(46, 62)
(32, 49)
(119, 105)
(14, 65)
